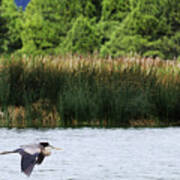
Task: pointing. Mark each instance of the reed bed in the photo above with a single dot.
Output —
(74, 91)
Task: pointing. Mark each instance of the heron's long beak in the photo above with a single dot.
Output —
(56, 148)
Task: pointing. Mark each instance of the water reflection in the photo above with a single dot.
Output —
(90, 154)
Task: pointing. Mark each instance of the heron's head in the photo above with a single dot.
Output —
(44, 144)
(47, 148)
(47, 145)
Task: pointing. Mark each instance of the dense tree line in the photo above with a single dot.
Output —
(109, 27)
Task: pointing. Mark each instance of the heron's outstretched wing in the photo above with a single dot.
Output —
(28, 162)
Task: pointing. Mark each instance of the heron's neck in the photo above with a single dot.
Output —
(7, 152)
(46, 152)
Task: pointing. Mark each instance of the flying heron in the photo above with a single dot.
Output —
(32, 154)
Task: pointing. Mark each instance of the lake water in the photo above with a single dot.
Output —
(97, 154)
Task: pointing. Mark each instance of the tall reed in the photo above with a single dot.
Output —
(76, 91)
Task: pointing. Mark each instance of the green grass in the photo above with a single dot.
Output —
(76, 91)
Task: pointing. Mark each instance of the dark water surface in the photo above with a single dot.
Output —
(97, 154)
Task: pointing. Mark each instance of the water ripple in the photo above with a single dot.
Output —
(97, 154)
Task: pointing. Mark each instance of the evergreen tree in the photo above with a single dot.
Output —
(91, 8)
(113, 13)
(9, 26)
(3, 29)
(46, 23)
(115, 10)
(145, 30)
(98, 6)
(82, 38)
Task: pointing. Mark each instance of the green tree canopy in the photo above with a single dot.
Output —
(82, 37)
(46, 23)
(9, 26)
(111, 27)
(145, 30)
(115, 10)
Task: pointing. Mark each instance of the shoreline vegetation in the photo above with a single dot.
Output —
(44, 82)
(76, 91)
